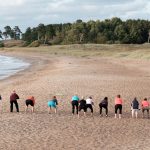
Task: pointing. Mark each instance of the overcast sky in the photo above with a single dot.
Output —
(25, 13)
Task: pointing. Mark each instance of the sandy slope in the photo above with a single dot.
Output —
(65, 76)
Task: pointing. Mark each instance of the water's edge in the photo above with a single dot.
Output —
(11, 65)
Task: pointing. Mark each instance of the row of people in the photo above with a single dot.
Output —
(88, 103)
(83, 105)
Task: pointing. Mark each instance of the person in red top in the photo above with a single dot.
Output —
(145, 106)
(30, 101)
(118, 105)
(13, 99)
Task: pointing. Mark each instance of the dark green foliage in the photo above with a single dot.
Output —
(108, 31)
(1, 44)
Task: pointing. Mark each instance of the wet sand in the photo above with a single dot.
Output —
(64, 76)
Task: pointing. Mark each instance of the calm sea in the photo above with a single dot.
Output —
(10, 66)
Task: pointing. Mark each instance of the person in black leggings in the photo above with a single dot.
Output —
(75, 103)
(104, 104)
(82, 105)
(89, 103)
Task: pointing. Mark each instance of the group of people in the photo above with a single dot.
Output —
(88, 103)
(83, 104)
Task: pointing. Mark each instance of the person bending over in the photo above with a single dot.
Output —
(118, 106)
(52, 104)
(30, 101)
(75, 103)
(82, 105)
(104, 104)
(145, 107)
(89, 103)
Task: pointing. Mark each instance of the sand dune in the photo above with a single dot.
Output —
(64, 76)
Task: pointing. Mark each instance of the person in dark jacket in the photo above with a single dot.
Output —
(82, 105)
(13, 100)
(135, 108)
(104, 104)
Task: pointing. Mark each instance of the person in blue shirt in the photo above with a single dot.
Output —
(75, 103)
(52, 104)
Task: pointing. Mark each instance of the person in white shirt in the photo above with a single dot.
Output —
(89, 103)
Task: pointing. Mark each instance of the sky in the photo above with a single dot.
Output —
(30, 13)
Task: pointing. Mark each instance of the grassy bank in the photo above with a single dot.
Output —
(117, 51)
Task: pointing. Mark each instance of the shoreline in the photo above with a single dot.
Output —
(25, 58)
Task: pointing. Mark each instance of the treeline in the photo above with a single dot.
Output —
(109, 31)
(10, 33)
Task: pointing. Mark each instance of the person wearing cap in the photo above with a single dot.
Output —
(13, 100)
(82, 105)
(75, 103)
(52, 104)
(145, 107)
(30, 101)
(89, 103)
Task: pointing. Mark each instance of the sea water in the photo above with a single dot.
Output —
(10, 66)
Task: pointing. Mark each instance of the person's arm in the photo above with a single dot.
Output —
(142, 105)
(17, 97)
(56, 102)
(92, 102)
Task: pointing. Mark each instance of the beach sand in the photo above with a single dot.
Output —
(64, 76)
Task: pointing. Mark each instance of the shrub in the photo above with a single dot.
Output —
(1, 44)
(35, 44)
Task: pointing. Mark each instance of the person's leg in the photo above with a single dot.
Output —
(90, 106)
(116, 108)
(11, 106)
(56, 110)
(32, 109)
(106, 111)
(143, 112)
(148, 113)
(49, 109)
(26, 108)
(100, 109)
(85, 111)
(120, 111)
(73, 107)
(17, 107)
(76, 104)
(133, 111)
(136, 113)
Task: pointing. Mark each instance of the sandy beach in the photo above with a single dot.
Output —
(64, 76)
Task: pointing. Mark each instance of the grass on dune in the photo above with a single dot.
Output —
(85, 50)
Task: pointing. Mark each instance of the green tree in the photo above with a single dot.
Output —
(17, 32)
(1, 34)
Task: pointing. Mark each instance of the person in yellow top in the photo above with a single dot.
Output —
(30, 101)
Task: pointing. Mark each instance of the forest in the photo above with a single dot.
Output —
(108, 31)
